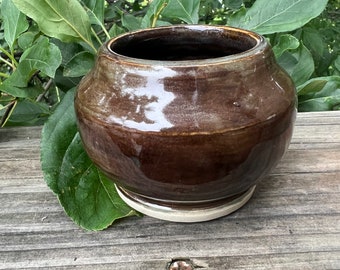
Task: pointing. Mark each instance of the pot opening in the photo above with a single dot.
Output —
(183, 43)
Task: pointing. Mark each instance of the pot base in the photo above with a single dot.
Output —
(184, 213)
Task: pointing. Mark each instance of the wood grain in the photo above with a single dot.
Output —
(292, 221)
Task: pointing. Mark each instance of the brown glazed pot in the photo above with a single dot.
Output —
(186, 119)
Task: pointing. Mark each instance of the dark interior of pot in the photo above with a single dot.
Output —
(183, 43)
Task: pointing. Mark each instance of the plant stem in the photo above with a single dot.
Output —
(4, 75)
(105, 31)
(8, 112)
(157, 14)
(7, 63)
(96, 36)
(46, 88)
(98, 22)
(58, 94)
(11, 57)
(102, 26)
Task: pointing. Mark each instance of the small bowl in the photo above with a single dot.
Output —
(186, 119)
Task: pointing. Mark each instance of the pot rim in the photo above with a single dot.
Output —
(258, 48)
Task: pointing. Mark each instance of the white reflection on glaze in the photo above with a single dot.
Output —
(158, 97)
(280, 88)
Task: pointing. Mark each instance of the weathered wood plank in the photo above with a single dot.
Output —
(16, 134)
(292, 221)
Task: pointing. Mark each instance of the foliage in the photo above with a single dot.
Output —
(70, 173)
(47, 46)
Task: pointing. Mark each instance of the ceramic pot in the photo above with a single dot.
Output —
(186, 119)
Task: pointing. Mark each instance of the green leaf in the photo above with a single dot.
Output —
(97, 7)
(321, 86)
(14, 22)
(298, 63)
(319, 94)
(233, 4)
(311, 87)
(79, 65)
(337, 63)
(131, 22)
(320, 104)
(267, 17)
(28, 113)
(96, 11)
(63, 19)
(68, 50)
(27, 92)
(115, 30)
(286, 42)
(185, 10)
(26, 40)
(314, 42)
(43, 56)
(65, 83)
(86, 194)
(237, 16)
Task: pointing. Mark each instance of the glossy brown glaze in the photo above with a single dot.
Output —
(186, 113)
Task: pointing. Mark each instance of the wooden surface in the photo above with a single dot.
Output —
(292, 221)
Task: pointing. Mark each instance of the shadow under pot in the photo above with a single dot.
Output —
(186, 119)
